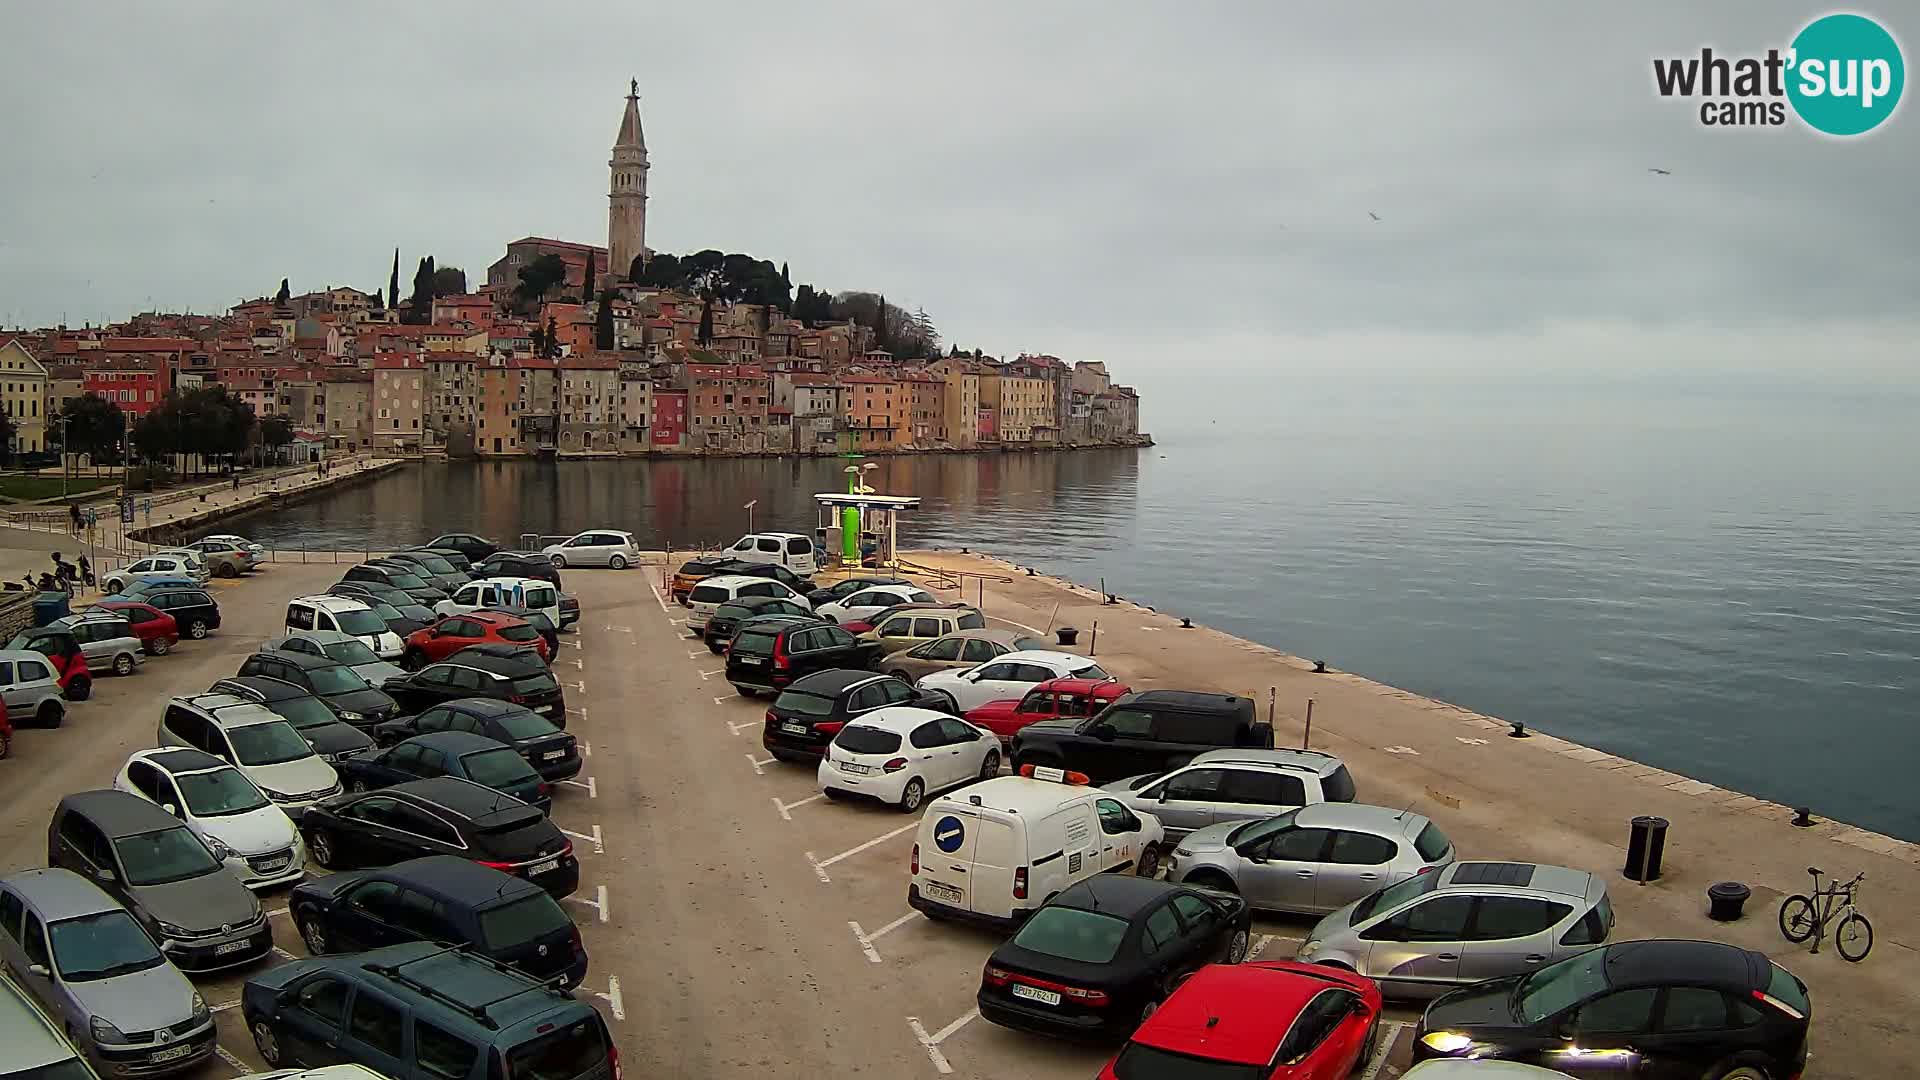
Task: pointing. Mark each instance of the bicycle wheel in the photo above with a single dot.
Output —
(1854, 939)
(1796, 918)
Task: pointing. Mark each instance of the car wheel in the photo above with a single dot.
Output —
(79, 688)
(115, 585)
(264, 1040)
(320, 846)
(1740, 1072)
(227, 570)
(50, 714)
(123, 664)
(990, 768)
(559, 561)
(911, 795)
(901, 675)
(618, 562)
(197, 629)
(1237, 948)
(315, 935)
(1148, 865)
(160, 646)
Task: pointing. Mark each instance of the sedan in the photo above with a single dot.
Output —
(340, 647)
(521, 680)
(1011, 676)
(1313, 859)
(459, 754)
(870, 602)
(1105, 952)
(552, 752)
(1267, 1020)
(901, 754)
(960, 649)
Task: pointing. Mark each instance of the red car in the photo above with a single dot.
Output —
(155, 628)
(62, 650)
(1050, 700)
(431, 644)
(1270, 1020)
(6, 732)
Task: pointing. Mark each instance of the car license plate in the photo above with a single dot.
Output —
(171, 1053)
(855, 768)
(232, 947)
(946, 894)
(794, 729)
(275, 864)
(753, 660)
(1033, 993)
(554, 755)
(541, 868)
(552, 710)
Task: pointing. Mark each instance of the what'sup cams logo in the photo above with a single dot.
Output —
(1842, 75)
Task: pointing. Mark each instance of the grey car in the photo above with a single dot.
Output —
(144, 857)
(338, 646)
(99, 974)
(960, 649)
(30, 688)
(1314, 859)
(223, 558)
(1470, 922)
(107, 640)
(1235, 785)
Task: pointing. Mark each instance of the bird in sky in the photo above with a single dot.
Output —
(1661, 172)
(1373, 215)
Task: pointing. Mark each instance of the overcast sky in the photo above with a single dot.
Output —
(1176, 188)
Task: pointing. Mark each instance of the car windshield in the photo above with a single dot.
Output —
(521, 724)
(159, 858)
(971, 621)
(406, 580)
(1547, 991)
(497, 768)
(1138, 1061)
(101, 946)
(219, 792)
(524, 920)
(1071, 934)
(1259, 830)
(521, 632)
(359, 624)
(335, 679)
(268, 744)
(351, 652)
(419, 613)
(1391, 897)
(434, 563)
(709, 594)
(534, 684)
(303, 712)
(802, 703)
(734, 612)
(861, 739)
(1091, 671)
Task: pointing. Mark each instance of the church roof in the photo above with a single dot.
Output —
(630, 133)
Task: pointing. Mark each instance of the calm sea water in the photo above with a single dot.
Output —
(1717, 580)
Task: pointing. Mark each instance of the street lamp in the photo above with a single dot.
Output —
(866, 488)
(749, 509)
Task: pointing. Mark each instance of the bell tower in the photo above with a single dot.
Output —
(627, 191)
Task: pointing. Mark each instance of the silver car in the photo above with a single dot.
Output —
(93, 967)
(1467, 923)
(1235, 785)
(1314, 859)
(960, 649)
(107, 640)
(340, 646)
(596, 547)
(30, 688)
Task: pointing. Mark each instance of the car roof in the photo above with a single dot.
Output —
(31, 1039)
(900, 719)
(463, 797)
(1699, 963)
(752, 602)
(1045, 656)
(497, 619)
(731, 581)
(229, 710)
(307, 661)
(124, 604)
(1313, 761)
(323, 637)
(923, 605)
(89, 615)
(783, 536)
(781, 623)
(519, 663)
(891, 588)
(1004, 637)
(331, 601)
(17, 655)
(1194, 701)
(117, 812)
(460, 981)
(1237, 1012)
(269, 688)
(1475, 1069)
(511, 579)
(833, 681)
(461, 880)
(1019, 795)
(1532, 877)
(1106, 688)
(59, 893)
(457, 742)
(179, 759)
(1359, 817)
(1121, 895)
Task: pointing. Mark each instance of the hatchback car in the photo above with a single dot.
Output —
(596, 547)
(553, 753)
(960, 649)
(901, 754)
(726, 619)
(158, 566)
(846, 587)
(519, 679)
(30, 689)
(1235, 785)
(339, 647)
(145, 858)
(711, 593)
(456, 632)
(1010, 676)
(519, 564)
(781, 574)
(62, 650)
(252, 837)
(324, 731)
(442, 816)
(433, 569)
(445, 899)
(89, 962)
(1469, 922)
(771, 654)
(259, 550)
(223, 558)
(1314, 859)
(106, 639)
(252, 739)
(868, 602)
(155, 628)
(473, 547)
(907, 625)
(400, 577)
(462, 754)
(1106, 951)
(350, 697)
(539, 620)
(810, 712)
(1055, 699)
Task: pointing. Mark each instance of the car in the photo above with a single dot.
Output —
(549, 633)
(714, 591)
(259, 550)
(193, 608)
(869, 602)
(245, 830)
(433, 569)
(900, 754)
(155, 628)
(1011, 675)
(6, 734)
(319, 725)
(1479, 1069)
(1148, 732)
(553, 753)
(224, 558)
(351, 615)
(769, 656)
(1055, 699)
(443, 815)
(201, 916)
(144, 586)
(1262, 1020)
(846, 587)
(535, 593)
(1314, 859)
(454, 558)
(1235, 785)
(1659, 1008)
(446, 899)
(487, 762)
(339, 647)
(996, 852)
(569, 609)
(152, 567)
(482, 593)
(400, 577)
(350, 697)
(791, 550)
(1103, 954)
(36, 1050)
(421, 1011)
(781, 574)
(694, 571)
(726, 618)
(473, 547)
(106, 639)
(92, 966)
(519, 564)
(959, 649)
(456, 632)
(403, 608)
(30, 689)
(596, 547)
(255, 740)
(62, 650)
(519, 680)
(1466, 923)
(811, 711)
(905, 625)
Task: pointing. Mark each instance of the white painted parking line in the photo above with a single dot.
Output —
(711, 674)
(695, 654)
(573, 645)
(658, 599)
(235, 1063)
(615, 1003)
(224, 1006)
(621, 629)
(580, 664)
(729, 697)
(866, 940)
(783, 807)
(586, 748)
(1401, 750)
(737, 726)
(598, 905)
(1389, 1034)
(283, 954)
(757, 763)
(594, 838)
(820, 865)
(581, 711)
(894, 925)
(578, 684)
(932, 1042)
(271, 912)
(593, 789)
(1021, 625)
(1259, 945)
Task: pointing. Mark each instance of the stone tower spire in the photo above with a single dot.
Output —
(627, 191)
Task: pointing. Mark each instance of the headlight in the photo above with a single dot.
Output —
(1446, 1042)
(351, 715)
(1185, 853)
(276, 796)
(105, 1032)
(199, 1006)
(1310, 948)
(167, 929)
(220, 850)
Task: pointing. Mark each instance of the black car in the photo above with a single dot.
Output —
(770, 657)
(519, 564)
(809, 713)
(728, 616)
(484, 761)
(454, 558)
(430, 568)
(339, 686)
(445, 899)
(737, 568)
(1149, 732)
(441, 816)
(840, 590)
(1676, 1010)
(553, 753)
(400, 577)
(192, 609)
(473, 547)
(1098, 956)
(520, 679)
(309, 716)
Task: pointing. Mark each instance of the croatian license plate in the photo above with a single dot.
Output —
(1032, 993)
(946, 894)
(753, 660)
(794, 729)
(552, 710)
(554, 755)
(171, 1053)
(232, 947)
(855, 768)
(541, 868)
(276, 864)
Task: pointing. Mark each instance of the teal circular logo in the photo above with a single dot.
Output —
(1845, 74)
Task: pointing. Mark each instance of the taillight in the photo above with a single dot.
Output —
(831, 727)
(772, 720)
(780, 658)
(613, 1059)
(579, 947)
(1425, 870)
(544, 788)
(517, 699)
(1763, 996)
(894, 765)
(566, 849)
(994, 976)
(915, 867)
(495, 865)
(1020, 883)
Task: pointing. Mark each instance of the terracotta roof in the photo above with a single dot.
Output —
(148, 344)
(451, 358)
(563, 245)
(396, 362)
(590, 362)
(869, 379)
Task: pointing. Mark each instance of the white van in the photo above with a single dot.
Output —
(530, 593)
(791, 550)
(998, 850)
(347, 615)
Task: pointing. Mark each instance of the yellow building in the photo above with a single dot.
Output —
(23, 394)
(1020, 405)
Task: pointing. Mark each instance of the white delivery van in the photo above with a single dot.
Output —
(530, 593)
(791, 550)
(998, 850)
(347, 615)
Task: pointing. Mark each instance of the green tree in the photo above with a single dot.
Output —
(537, 277)
(7, 432)
(94, 427)
(393, 283)
(275, 434)
(705, 333)
(586, 287)
(553, 339)
(449, 281)
(603, 323)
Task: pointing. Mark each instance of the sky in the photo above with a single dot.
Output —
(1180, 190)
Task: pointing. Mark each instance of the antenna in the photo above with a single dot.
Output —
(1408, 810)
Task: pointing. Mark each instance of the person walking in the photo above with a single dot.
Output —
(73, 515)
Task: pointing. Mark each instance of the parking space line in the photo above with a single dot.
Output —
(1390, 1034)
(820, 866)
(271, 912)
(621, 629)
(586, 748)
(573, 644)
(932, 1042)
(224, 1006)
(695, 654)
(757, 762)
(593, 789)
(658, 599)
(894, 925)
(581, 711)
(711, 674)
(866, 943)
(578, 684)
(599, 905)
(237, 1065)
(615, 1003)
(599, 845)
(1021, 625)
(737, 726)
(783, 807)
(580, 664)
(729, 697)
(283, 954)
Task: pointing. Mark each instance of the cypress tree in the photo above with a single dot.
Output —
(393, 283)
(280, 298)
(586, 289)
(553, 338)
(603, 323)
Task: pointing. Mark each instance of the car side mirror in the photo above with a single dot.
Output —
(104, 875)
(1360, 1007)
(40, 970)
(171, 809)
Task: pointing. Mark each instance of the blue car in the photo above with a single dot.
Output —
(461, 754)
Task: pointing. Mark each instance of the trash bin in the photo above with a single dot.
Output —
(49, 606)
(1646, 843)
(1725, 899)
(1067, 635)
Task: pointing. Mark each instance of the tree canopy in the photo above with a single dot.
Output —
(537, 277)
(94, 427)
(448, 281)
(740, 279)
(203, 421)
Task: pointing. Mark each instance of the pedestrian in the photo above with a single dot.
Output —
(73, 513)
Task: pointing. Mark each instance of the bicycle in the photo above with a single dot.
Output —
(1803, 917)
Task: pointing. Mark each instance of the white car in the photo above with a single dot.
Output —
(503, 592)
(348, 615)
(1009, 676)
(244, 829)
(867, 603)
(596, 547)
(248, 736)
(902, 754)
(791, 550)
(711, 592)
(239, 541)
(154, 566)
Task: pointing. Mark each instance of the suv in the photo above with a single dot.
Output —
(727, 618)
(553, 753)
(35, 1048)
(192, 609)
(441, 898)
(106, 638)
(254, 740)
(425, 1012)
(1152, 731)
(398, 575)
(316, 723)
(345, 692)
(30, 689)
(223, 558)
(520, 679)
(769, 657)
(463, 754)
(1235, 785)
(809, 713)
(1316, 859)
(443, 815)
(599, 547)
(347, 615)
(907, 625)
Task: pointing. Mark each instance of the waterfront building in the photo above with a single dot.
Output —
(667, 426)
(399, 397)
(24, 396)
(727, 405)
(590, 413)
(879, 413)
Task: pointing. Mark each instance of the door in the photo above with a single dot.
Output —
(1694, 1026)
(1204, 928)
(1120, 836)
(1417, 952)
(1510, 935)
(800, 556)
(371, 823)
(1184, 801)
(375, 1035)
(997, 849)
(1357, 866)
(1000, 679)
(1122, 746)
(13, 910)
(1253, 794)
(932, 758)
(310, 1026)
(1165, 948)
(34, 952)
(969, 749)
(1282, 871)
(834, 647)
(1609, 1031)
(365, 919)
(947, 841)
(585, 550)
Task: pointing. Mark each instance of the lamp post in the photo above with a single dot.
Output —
(749, 509)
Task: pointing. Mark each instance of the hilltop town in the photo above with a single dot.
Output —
(575, 350)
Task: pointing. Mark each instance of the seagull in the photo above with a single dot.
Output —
(1661, 172)
(1373, 215)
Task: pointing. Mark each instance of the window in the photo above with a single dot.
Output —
(1319, 1019)
(440, 1054)
(1622, 1010)
(979, 651)
(896, 692)
(324, 999)
(834, 637)
(955, 732)
(376, 1024)
(1195, 912)
(928, 736)
(1194, 785)
(423, 915)
(1263, 789)
(944, 649)
(926, 628)
(972, 621)
(1592, 928)
(1502, 917)
(420, 823)
(1298, 845)
(1694, 1008)
(1362, 849)
(11, 912)
(1432, 843)
(1163, 927)
(1129, 723)
(376, 898)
